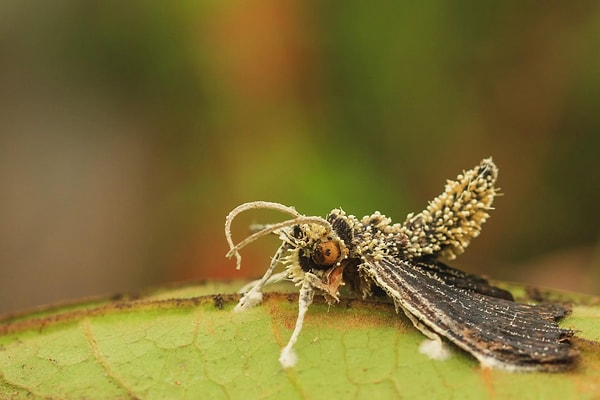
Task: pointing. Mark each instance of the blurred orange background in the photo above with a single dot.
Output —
(128, 130)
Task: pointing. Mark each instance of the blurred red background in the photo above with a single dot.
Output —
(128, 130)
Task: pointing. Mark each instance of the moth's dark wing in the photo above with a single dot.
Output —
(498, 332)
(460, 279)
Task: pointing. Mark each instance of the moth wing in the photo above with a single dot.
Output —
(498, 332)
(461, 279)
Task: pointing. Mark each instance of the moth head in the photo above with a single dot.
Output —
(317, 254)
(311, 248)
(318, 248)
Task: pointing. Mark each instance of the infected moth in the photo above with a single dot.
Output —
(373, 255)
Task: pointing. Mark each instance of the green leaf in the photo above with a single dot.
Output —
(188, 343)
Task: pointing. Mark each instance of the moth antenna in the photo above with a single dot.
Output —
(267, 205)
(300, 219)
(258, 227)
(234, 249)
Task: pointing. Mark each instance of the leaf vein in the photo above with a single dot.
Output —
(91, 339)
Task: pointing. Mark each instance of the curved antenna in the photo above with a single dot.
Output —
(299, 219)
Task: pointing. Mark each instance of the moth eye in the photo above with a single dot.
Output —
(326, 253)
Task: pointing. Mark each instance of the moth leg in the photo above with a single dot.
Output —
(433, 347)
(288, 357)
(272, 279)
(254, 296)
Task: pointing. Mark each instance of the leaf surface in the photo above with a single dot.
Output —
(187, 343)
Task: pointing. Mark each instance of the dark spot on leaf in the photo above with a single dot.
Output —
(219, 302)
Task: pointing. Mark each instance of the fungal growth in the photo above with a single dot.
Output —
(321, 254)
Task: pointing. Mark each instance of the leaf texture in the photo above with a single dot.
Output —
(184, 344)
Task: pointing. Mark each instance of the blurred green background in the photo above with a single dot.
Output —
(128, 130)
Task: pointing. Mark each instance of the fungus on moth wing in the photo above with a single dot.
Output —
(321, 254)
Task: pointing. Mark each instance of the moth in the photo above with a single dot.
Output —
(372, 255)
